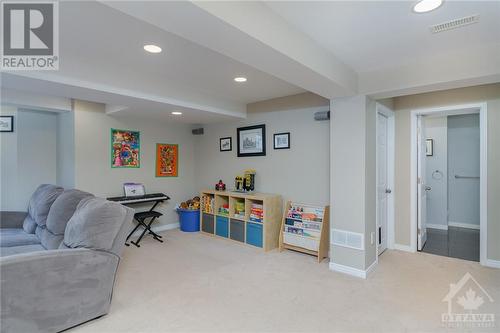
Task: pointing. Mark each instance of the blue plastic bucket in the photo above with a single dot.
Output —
(189, 219)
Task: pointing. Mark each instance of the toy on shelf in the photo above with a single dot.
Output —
(220, 186)
(256, 213)
(245, 183)
(239, 209)
(207, 204)
(224, 210)
(238, 183)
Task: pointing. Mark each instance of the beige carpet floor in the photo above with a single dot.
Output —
(194, 282)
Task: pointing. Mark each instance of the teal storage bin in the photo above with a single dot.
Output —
(222, 226)
(254, 234)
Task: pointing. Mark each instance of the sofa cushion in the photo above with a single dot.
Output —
(29, 225)
(48, 240)
(15, 237)
(63, 209)
(95, 224)
(8, 251)
(40, 202)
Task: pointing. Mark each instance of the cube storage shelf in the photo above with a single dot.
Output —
(254, 219)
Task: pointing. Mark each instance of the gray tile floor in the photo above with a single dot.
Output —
(455, 242)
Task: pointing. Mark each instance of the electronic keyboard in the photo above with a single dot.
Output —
(140, 198)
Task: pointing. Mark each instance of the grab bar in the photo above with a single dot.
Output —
(466, 177)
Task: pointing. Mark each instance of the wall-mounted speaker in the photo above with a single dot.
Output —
(322, 115)
(197, 131)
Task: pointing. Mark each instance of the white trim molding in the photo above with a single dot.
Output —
(437, 226)
(463, 225)
(492, 263)
(351, 270)
(482, 109)
(158, 228)
(405, 248)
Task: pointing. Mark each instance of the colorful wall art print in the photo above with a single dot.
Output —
(125, 148)
(167, 160)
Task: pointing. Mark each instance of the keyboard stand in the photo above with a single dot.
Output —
(141, 217)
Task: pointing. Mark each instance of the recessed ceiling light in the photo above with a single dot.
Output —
(240, 79)
(425, 6)
(152, 48)
(176, 113)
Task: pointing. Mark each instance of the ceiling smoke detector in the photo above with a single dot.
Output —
(453, 24)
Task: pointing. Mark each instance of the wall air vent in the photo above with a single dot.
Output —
(349, 239)
(453, 24)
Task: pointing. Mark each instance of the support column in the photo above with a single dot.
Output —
(353, 185)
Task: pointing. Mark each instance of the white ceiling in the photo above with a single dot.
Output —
(373, 35)
(117, 104)
(332, 48)
(110, 49)
(101, 52)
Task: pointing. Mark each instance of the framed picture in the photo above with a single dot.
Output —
(252, 141)
(225, 144)
(167, 160)
(125, 148)
(6, 123)
(282, 140)
(429, 147)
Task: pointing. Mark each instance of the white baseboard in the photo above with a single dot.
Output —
(351, 270)
(371, 268)
(401, 247)
(437, 226)
(159, 228)
(463, 225)
(492, 263)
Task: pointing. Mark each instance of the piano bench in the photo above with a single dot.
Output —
(141, 219)
(145, 215)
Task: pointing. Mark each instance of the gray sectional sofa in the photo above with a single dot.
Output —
(58, 261)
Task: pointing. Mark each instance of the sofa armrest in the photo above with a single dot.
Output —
(54, 290)
(12, 219)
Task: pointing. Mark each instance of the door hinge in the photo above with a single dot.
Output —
(419, 231)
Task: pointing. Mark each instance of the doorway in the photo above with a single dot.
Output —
(385, 178)
(449, 181)
(452, 185)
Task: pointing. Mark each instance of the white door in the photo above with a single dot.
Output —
(382, 182)
(422, 188)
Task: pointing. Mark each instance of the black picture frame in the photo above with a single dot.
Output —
(8, 119)
(221, 148)
(287, 134)
(246, 133)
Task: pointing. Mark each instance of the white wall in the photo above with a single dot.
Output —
(403, 106)
(93, 172)
(300, 173)
(437, 164)
(463, 159)
(66, 149)
(8, 164)
(28, 156)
